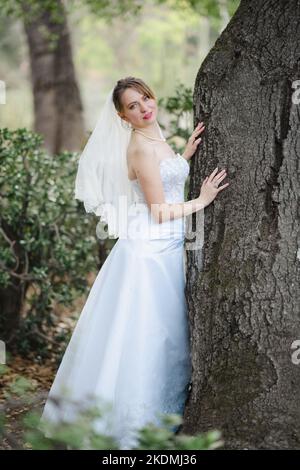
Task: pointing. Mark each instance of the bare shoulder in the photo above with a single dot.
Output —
(141, 153)
(143, 165)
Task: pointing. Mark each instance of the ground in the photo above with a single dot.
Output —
(40, 376)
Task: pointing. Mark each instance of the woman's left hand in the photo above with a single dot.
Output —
(193, 141)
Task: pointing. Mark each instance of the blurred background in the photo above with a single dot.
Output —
(164, 43)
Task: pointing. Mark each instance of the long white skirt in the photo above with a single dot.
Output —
(130, 347)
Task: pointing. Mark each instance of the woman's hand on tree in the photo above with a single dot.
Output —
(193, 141)
(210, 186)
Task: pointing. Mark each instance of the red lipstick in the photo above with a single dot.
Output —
(147, 116)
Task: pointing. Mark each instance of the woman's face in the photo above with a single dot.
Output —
(138, 109)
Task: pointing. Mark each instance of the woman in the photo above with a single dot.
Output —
(130, 348)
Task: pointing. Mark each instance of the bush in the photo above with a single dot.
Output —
(47, 241)
(21, 426)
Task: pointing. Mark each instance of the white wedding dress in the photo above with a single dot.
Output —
(130, 347)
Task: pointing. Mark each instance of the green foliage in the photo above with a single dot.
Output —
(204, 7)
(179, 107)
(81, 435)
(110, 9)
(31, 9)
(19, 387)
(47, 241)
(30, 432)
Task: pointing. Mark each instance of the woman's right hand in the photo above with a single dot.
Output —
(210, 189)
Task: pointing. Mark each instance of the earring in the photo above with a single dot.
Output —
(126, 125)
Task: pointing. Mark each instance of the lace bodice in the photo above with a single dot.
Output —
(174, 171)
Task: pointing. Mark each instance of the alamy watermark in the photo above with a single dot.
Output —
(2, 352)
(136, 221)
(2, 92)
(296, 354)
(296, 94)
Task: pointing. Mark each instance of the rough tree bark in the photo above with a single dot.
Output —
(244, 297)
(57, 102)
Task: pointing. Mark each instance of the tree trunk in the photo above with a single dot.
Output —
(243, 292)
(11, 300)
(57, 103)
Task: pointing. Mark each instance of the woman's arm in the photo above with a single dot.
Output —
(164, 212)
(146, 166)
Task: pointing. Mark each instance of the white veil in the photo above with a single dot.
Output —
(102, 178)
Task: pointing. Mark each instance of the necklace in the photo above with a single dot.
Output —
(153, 138)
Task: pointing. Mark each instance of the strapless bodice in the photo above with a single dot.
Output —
(174, 172)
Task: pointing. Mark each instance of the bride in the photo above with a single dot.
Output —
(130, 347)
